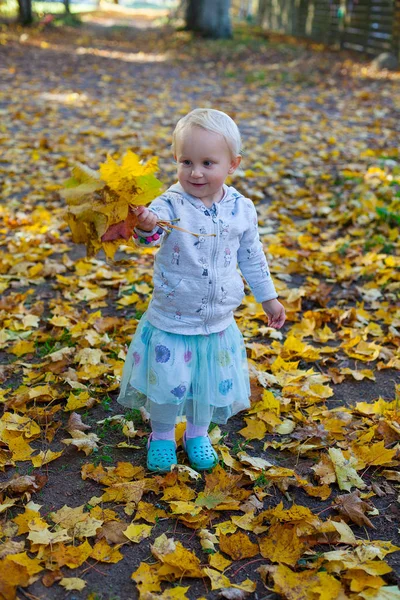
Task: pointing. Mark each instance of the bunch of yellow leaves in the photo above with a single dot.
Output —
(98, 199)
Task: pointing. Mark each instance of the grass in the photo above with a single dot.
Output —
(52, 344)
(106, 403)
(262, 480)
(102, 455)
(9, 8)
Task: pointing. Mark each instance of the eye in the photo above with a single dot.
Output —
(207, 163)
(186, 162)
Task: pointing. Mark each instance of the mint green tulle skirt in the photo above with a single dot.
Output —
(197, 375)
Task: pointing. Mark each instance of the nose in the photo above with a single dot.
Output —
(196, 172)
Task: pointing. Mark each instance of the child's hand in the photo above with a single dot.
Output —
(146, 219)
(121, 230)
(275, 312)
(142, 218)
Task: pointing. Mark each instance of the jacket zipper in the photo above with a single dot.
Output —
(213, 269)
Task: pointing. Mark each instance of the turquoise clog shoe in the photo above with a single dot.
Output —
(201, 454)
(161, 455)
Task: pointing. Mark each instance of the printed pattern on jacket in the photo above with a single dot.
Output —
(196, 282)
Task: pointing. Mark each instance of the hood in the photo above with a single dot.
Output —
(230, 194)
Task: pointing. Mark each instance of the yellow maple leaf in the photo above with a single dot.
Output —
(218, 580)
(7, 503)
(380, 407)
(45, 537)
(358, 375)
(307, 584)
(133, 182)
(105, 553)
(255, 429)
(282, 545)
(20, 423)
(82, 441)
(180, 491)
(146, 578)
(87, 528)
(98, 199)
(207, 540)
(32, 565)
(346, 474)
(294, 347)
(348, 559)
(78, 401)
(18, 445)
(104, 514)
(174, 555)
(229, 461)
(317, 491)
(137, 533)
(256, 462)
(248, 522)
(128, 492)
(294, 514)
(366, 351)
(45, 457)
(68, 517)
(73, 583)
(219, 562)
(28, 520)
(210, 499)
(346, 534)
(149, 512)
(71, 556)
(375, 454)
(360, 580)
(13, 574)
(324, 470)
(177, 593)
(22, 347)
(60, 321)
(179, 507)
(225, 527)
(238, 546)
(370, 549)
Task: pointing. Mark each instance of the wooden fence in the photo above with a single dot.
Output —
(371, 26)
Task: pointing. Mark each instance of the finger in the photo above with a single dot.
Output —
(144, 215)
(280, 321)
(151, 221)
(139, 210)
(275, 323)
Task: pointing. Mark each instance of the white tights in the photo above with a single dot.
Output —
(163, 419)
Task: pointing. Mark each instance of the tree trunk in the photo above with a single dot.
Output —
(209, 18)
(262, 9)
(66, 6)
(25, 12)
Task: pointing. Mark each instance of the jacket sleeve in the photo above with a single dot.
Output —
(252, 261)
(163, 209)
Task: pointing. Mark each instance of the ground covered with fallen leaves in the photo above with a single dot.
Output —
(305, 500)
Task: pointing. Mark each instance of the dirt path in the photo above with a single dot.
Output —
(76, 94)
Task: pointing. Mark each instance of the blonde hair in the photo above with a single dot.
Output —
(211, 120)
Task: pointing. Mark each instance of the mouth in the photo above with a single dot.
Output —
(197, 184)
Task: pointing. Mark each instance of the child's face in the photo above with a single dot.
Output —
(204, 162)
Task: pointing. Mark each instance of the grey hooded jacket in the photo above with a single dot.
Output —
(196, 282)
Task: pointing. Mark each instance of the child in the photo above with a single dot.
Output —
(188, 355)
